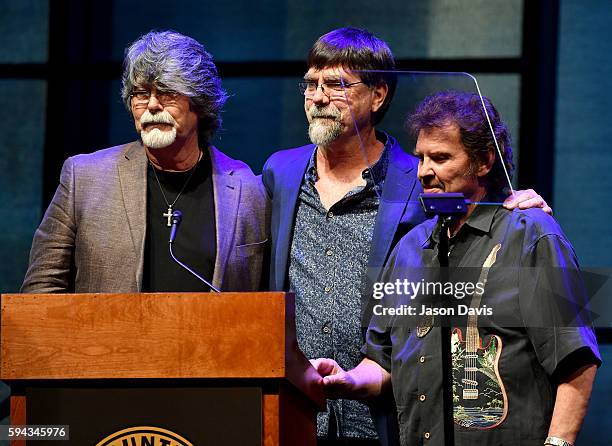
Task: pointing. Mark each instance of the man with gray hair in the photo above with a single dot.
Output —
(107, 227)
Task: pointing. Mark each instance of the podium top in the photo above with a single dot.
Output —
(152, 335)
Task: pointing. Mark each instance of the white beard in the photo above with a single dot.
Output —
(323, 133)
(158, 139)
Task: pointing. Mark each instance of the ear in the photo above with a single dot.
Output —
(485, 168)
(379, 93)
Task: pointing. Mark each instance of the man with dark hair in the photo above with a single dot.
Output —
(107, 227)
(466, 111)
(339, 207)
(523, 377)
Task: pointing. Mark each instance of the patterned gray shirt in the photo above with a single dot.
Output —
(329, 256)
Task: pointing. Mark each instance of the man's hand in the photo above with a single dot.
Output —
(366, 380)
(527, 199)
(335, 381)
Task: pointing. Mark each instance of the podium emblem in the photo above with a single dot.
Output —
(144, 435)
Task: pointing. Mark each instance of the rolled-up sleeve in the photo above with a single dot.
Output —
(554, 303)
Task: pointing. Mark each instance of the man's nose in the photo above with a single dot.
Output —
(154, 105)
(424, 169)
(320, 96)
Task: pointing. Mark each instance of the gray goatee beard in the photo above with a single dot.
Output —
(324, 131)
(156, 138)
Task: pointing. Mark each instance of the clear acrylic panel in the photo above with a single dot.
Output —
(412, 88)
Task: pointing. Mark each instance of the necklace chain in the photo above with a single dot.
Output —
(168, 214)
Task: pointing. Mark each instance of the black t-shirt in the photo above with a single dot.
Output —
(195, 243)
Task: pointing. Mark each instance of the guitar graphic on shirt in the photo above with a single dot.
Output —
(479, 396)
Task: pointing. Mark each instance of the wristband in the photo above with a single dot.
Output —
(556, 441)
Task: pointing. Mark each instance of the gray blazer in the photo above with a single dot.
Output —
(92, 236)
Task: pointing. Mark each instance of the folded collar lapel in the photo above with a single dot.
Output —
(132, 170)
(226, 189)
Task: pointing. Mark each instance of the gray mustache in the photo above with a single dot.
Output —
(322, 113)
(156, 119)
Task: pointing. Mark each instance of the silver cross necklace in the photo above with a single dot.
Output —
(168, 214)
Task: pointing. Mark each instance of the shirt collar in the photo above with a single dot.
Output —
(481, 220)
(374, 175)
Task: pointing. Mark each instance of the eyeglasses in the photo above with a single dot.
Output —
(140, 98)
(330, 89)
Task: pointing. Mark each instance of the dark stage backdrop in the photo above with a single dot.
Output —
(546, 67)
(260, 48)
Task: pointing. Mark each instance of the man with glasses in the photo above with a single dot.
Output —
(339, 205)
(108, 226)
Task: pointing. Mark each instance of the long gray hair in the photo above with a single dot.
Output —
(168, 60)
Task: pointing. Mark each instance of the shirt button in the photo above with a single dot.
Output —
(330, 214)
(329, 252)
(422, 398)
(422, 359)
(326, 329)
(427, 435)
(327, 289)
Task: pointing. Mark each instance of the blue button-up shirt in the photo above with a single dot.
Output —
(329, 256)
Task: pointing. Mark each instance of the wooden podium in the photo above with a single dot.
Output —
(97, 344)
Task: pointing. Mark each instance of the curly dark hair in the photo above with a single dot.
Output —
(465, 110)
